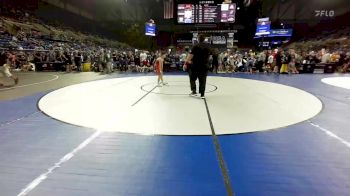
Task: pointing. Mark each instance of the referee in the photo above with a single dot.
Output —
(197, 64)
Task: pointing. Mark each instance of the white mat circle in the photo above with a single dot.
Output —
(342, 82)
(237, 106)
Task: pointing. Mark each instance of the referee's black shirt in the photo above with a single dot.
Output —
(200, 60)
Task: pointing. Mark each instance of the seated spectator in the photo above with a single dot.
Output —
(28, 66)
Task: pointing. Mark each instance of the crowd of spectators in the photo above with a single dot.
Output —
(330, 47)
(278, 60)
(29, 43)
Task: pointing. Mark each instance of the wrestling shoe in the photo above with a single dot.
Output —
(193, 94)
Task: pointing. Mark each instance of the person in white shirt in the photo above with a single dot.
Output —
(108, 57)
(239, 63)
(144, 62)
(183, 58)
(143, 56)
(5, 71)
(270, 61)
(221, 62)
(325, 56)
(292, 61)
(230, 67)
(260, 62)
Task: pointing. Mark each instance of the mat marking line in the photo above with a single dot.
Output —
(32, 84)
(18, 119)
(220, 157)
(57, 165)
(144, 96)
(331, 134)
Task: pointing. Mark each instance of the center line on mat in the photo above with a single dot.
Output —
(224, 170)
(144, 96)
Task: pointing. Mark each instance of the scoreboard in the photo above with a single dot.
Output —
(206, 13)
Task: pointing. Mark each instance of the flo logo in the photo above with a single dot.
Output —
(324, 13)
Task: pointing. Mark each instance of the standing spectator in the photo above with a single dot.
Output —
(58, 60)
(215, 62)
(67, 60)
(221, 62)
(341, 60)
(108, 58)
(230, 66)
(239, 63)
(270, 62)
(115, 60)
(101, 61)
(250, 63)
(292, 58)
(131, 59)
(183, 57)
(137, 60)
(37, 61)
(285, 62)
(260, 62)
(143, 58)
(123, 63)
(325, 56)
(77, 60)
(278, 66)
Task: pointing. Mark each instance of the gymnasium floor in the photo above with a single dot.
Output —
(90, 134)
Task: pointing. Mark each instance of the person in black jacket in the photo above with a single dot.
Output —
(215, 62)
(77, 60)
(279, 56)
(197, 64)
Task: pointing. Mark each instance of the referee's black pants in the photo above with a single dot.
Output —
(201, 75)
